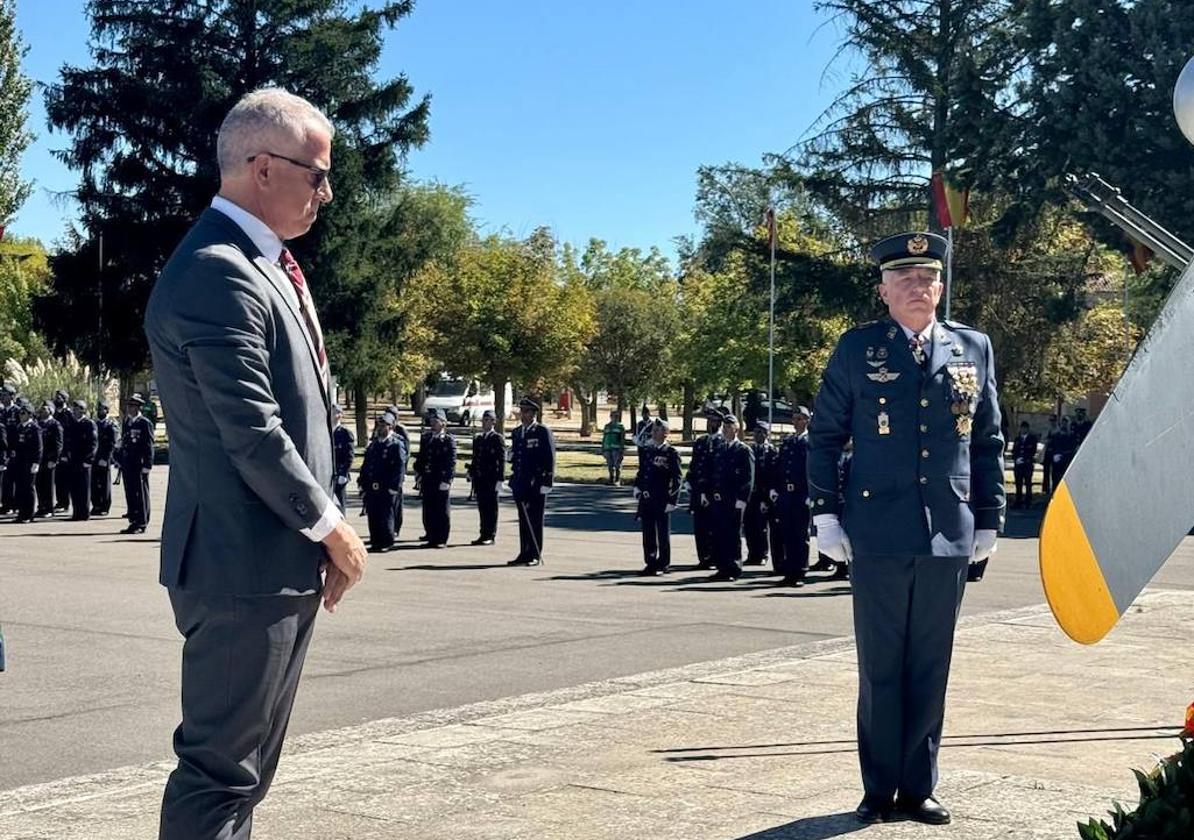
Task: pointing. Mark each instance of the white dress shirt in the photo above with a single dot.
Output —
(271, 246)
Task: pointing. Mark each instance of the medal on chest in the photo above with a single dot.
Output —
(963, 395)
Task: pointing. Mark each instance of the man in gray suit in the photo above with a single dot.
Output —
(252, 537)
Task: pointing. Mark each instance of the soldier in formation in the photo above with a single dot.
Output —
(532, 473)
(731, 482)
(9, 413)
(435, 466)
(487, 472)
(760, 538)
(657, 491)
(380, 480)
(25, 448)
(63, 473)
(51, 455)
(82, 445)
(135, 456)
(697, 482)
(101, 472)
(343, 450)
(789, 502)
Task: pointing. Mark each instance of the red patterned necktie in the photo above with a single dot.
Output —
(307, 307)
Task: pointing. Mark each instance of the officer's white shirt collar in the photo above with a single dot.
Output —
(266, 240)
(926, 335)
(533, 424)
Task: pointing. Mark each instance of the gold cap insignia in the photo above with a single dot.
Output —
(918, 244)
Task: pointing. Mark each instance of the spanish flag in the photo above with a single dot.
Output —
(953, 204)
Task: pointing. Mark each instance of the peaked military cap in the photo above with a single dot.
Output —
(47, 404)
(802, 411)
(527, 402)
(763, 425)
(729, 419)
(8, 389)
(79, 404)
(912, 248)
(61, 393)
(387, 418)
(135, 399)
(488, 413)
(101, 404)
(24, 405)
(661, 423)
(435, 414)
(713, 413)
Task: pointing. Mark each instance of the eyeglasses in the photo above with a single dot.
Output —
(321, 175)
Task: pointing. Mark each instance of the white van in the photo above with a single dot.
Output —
(463, 400)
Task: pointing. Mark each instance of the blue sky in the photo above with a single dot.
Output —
(589, 117)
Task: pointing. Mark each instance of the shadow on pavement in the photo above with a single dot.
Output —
(599, 508)
(811, 828)
(463, 567)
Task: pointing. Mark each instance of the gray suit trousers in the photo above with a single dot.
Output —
(241, 663)
(905, 612)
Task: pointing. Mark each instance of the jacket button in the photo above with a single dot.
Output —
(882, 400)
(924, 402)
(820, 502)
(923, 428)
(924, 479)
(866, 494)
(924, 453)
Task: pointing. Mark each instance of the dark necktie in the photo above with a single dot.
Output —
(307, 307)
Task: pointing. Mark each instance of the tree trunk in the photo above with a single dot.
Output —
(586, 423)
(661, 410)
(689, 398)
(592, 408)
(499, 403)
(420, 396)
(361, 401)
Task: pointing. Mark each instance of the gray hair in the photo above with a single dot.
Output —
(260, 115)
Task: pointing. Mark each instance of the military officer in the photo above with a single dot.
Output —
(51, 455)
(789, 497)
(657, 491)
(532, 472)
(436, 466)
(1023, 464)
(9, 418)
(101, 471)
(613, 446)
(26, 460)
(756, 517)
(63, 474)
(700, 474)
(136, 460)
(488, 472)
(731, 483)
(924, 497)
(83, 444)
(344, 448)
(380, 479)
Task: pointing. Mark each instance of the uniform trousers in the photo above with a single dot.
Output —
(1023, 474)
(381, 509)
(101, 488)
(136, 495)
(905, 611)
(80, 490)
(657, 534)
(791, 522)
(754, 524)
(702, 532)
(23, 494)
(487, 507)
(241, 661)
(62, 485)
(45, 488)
(530, 525)
(727, 536)
(8, 496)
(340, 493)
(437, 514)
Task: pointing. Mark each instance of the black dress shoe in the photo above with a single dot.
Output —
(524, 561)
(755, 561)
(650, 571)
(927, 810)
(841, 572)
(976, 571)
(481, 541)
(703, 566)
(722, 577)
(871, 811)
(792, 581)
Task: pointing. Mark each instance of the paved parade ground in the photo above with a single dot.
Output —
(404, 706)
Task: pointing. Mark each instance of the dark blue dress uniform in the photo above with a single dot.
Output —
(26, 446)
(380, 478)
(51, 454)
(731, 482)
(10, 419)
(344, 449)
(64, 475)
(926, 473)
(699, 478)
(101, 470)
(488, 472)
(136, 459)
(532, 471)
(82, 446)
(790, 517)
(436, 466)
(1023, 465)
(658, 486)
(756, 518)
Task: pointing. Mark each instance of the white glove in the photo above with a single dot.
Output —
(984, 544)
(1057, 459)
(145, 471)
(544, 490)
(704, 500)
(669, 508)
(740, 505)
(831, 538)
(686, 487)
(443, 485)
(393, 493)
(64, 459)
(762, 507)
(33, 468)
(637, 493)
(497, 488)
(1019, 462)
(102, 463)
(774, 494)
(341, 480)
(646, 494)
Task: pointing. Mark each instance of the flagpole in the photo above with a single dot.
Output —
(772, 235)
(949, 270)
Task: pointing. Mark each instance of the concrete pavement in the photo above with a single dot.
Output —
(1040, 734)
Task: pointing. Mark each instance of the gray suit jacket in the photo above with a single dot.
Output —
(248, 416)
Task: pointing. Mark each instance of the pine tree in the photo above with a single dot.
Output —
(143, 121)
(15, 88)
